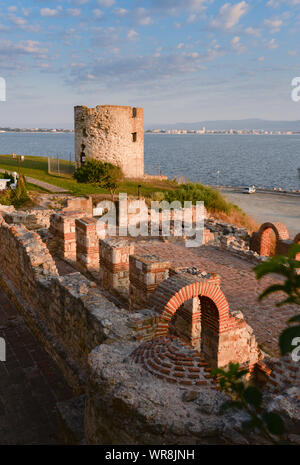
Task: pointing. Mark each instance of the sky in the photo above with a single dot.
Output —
(181, 60)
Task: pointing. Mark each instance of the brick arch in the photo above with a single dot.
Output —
(174, 291)
(264, 236)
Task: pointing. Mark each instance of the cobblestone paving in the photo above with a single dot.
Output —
(238, 284)
(30, 384)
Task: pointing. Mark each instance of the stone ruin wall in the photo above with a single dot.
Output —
(95, 342)
(113, 134)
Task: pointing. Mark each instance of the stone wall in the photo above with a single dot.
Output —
(113, 134)
(81, 204)
(87, 245)
(69, 315)
(33, 219)
(62, 234)
(145, 273)
(114, 269)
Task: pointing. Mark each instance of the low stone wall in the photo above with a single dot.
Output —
(80, 203)
(33, 219)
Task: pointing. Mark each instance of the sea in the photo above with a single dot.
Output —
(265, 161)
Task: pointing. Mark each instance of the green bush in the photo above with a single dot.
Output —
(90, 172)
(6, 175)
(158, 196)
(104, 174)
(194, 192)
(16, 197)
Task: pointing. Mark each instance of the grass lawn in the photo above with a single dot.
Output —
(37, 167)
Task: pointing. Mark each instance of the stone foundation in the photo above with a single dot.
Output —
(145, 273)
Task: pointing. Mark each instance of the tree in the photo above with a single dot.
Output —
(111, 177)
(103, 174)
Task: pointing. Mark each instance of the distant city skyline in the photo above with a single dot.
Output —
(182, 61)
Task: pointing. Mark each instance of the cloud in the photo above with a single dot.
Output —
(7, 47)
(106, 3)
(73, 11)
(12, 8)
(273, 24)
(271, 44)
(277, 3)
(120, 12)
(17, 20)
(48, 12)
(98, 13)
(230, 15)
(157, 68)
(142, 17)
(132, 34)
(236, 45)
(273, 3)
(26, 11)
(250, 31)
(174, 6)
(106, 39)
(192, 18)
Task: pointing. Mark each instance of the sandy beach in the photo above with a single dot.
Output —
(264, 207)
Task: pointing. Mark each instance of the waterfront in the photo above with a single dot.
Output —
(264, 207)
(265, 161)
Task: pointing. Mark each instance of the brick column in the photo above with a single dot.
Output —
(87, 244)
(114, 270)
(145, 273)
(63, 235)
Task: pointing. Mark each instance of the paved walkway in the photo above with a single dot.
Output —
(238, 284)
(30, 384)
(37, 182)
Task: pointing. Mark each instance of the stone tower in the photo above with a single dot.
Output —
(111, 133)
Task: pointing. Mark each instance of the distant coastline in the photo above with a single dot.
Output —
(36, 131)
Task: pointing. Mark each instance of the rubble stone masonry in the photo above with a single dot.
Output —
(111, 133)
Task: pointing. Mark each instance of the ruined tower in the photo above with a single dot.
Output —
(111, 133)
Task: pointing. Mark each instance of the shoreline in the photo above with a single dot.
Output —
(259, 190)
